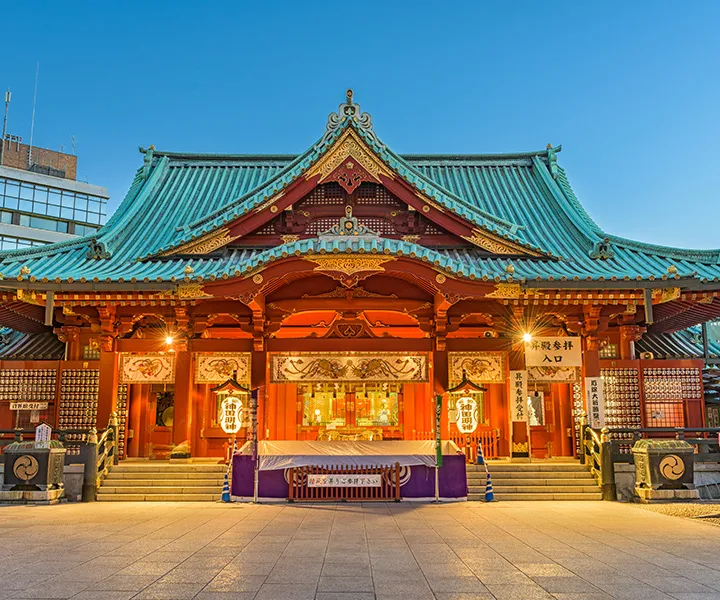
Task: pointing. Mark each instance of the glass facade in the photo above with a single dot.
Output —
(47, 208)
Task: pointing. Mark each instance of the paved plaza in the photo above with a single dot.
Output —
(463, 551)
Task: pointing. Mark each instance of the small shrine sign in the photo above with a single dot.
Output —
(595, 401)
(43, 432)
(518, 396)
(553, 352)
(29, 405)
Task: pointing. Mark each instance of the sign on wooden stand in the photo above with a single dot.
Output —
(595, 402)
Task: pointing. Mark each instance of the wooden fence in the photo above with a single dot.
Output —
(389, 489)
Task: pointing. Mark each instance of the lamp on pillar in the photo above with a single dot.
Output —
(467, 398)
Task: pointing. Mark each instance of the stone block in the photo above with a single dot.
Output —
(647, 495)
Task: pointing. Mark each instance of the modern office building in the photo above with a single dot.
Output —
(40, 199)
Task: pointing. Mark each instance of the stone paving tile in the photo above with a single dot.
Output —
(464, 551)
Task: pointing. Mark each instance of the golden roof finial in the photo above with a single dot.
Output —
(188, 270)
(672, 269)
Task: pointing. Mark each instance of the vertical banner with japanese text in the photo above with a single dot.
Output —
(438, 433)
(518, 395)
(595, 402)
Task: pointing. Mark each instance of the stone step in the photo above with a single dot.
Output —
(501, 481)
(151, 467)
(124, 475)
(554, 496)
(533, 474)
(170, 497)
(205, 489)
(523, 467)
(539, 489)
(205, 482)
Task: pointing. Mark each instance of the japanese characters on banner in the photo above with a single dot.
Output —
(438, 432)
(518, 395)
(466, 409)
(553, 351)
(595, 401)
(344, 480)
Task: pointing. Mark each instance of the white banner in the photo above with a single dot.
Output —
(553, 352)
(518, 396)
(344, 481)
(595, 393)
(29, 405)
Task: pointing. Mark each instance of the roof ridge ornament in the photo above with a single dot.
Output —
(349, 110)
(602, 250)
(97, 250)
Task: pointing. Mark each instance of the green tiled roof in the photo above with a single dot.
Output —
(526, 198)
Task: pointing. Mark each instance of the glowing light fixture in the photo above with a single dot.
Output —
(527, 337)
(169, 340)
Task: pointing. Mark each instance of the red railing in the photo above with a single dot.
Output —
(469, 443)
(389, 488)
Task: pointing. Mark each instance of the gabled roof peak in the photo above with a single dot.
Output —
(349, 113)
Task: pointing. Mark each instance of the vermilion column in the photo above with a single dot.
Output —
(182, 417)
(107, 393)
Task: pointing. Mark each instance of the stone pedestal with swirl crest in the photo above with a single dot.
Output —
(664, 471)
(33, 472)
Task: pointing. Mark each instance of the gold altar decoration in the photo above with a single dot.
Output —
(146, 368)
(353, 434)
(220, 366)
(478, 367)
(324, 367)
(553, 374)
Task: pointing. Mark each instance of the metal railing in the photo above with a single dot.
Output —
(601, 450)
(98, 451)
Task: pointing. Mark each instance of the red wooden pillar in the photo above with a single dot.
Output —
(182, 418)
(107, 393)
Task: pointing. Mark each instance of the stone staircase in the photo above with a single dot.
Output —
(548, 480)
(160, 481)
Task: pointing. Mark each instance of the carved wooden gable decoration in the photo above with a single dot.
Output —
(351, 180)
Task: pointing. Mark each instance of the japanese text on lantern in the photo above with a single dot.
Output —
(518, 395)
(467, 410)
(553, 351)
(595, 401)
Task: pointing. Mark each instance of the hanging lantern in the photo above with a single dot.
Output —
(231, 414)
(466, 409)
(232, 398)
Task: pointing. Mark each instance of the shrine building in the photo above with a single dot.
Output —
(350, 285)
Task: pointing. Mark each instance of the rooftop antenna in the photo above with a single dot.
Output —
(4, 129)
(72, 141)
(32, 121)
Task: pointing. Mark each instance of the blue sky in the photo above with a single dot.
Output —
(630, 89)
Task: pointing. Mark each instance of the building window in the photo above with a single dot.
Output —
(5, 216)
(43, 200)
(84, 229)
(41, 223)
